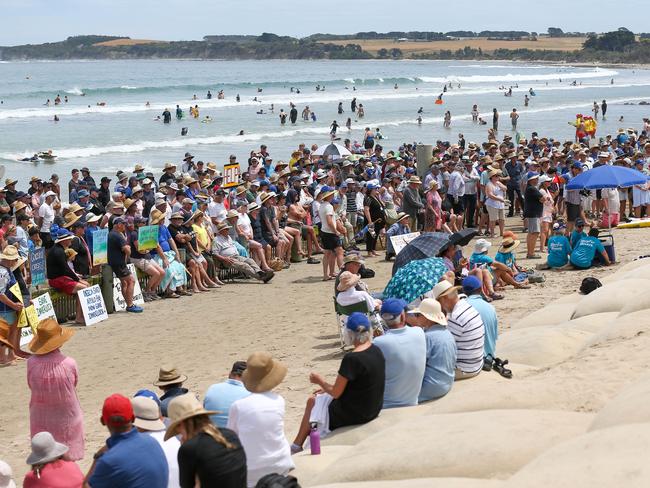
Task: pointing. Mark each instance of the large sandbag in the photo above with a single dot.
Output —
(308, 467)
(625, 327)
(641, 272)
(639, 303)
(486, 444)
(422, 483)
(572, 298)
(592, 324)
(622, 271)
(607, 458)
(611, 297)
(629, 407)
(541, 346)
(552, 314)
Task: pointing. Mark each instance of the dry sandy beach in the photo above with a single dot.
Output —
(293, 319)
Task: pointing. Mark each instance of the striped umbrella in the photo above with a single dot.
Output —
(415, 279)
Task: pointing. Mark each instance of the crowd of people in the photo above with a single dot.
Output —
(276, 215)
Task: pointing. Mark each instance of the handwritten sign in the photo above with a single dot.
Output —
(92, 304)
(100, 247)
(147, 237)
(43, 308)
(400, 242)
(32, 317)
(118, 299)
(231, 175)
(15, 291)
(37, 266)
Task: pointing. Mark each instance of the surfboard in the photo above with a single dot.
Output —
(634, 224)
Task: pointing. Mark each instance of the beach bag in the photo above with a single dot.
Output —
(277, 481)
(276, 264)
(366, 273)
(390, 214)
(590, 284)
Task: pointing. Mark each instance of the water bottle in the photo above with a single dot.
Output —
(314, 439)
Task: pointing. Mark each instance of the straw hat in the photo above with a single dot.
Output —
(10, 253)
(353, 258)
(494, 172)
(63, 235)
(414, 179)
(263, 373)
(211, 166)
(45, 449)
(252, 207)
(138, 168)
(232, 214)
(347, 280)
(240, 190)
(146, 413)
(401, 216)
(444, 288)
(75, 207)
(49, 336)
(432, 310)
(182, 408)
(9, 182)
(18, 206)
(4, 333)
(169, 166)
(169, 376)
(223, 226)
(93, 218)
(509, 244)
(156, 216)
(265, 196)
(70, 218)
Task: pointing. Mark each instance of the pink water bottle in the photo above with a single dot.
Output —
(314, 439)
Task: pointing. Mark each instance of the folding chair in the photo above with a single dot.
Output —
(343, 312)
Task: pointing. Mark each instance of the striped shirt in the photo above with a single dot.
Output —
(466, 325)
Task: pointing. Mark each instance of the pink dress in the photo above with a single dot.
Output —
(54, 405)
(57, 474)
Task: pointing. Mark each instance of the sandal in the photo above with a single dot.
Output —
(500, 367)
(487, 363)
(533, 256)
(496, 296)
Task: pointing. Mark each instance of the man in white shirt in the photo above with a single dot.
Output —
(223, 248)
(45, 218)
(148, 422)
(217, 210)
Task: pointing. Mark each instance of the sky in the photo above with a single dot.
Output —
(36, 21)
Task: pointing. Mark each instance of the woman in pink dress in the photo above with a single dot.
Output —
(433, 210)
(52, 377)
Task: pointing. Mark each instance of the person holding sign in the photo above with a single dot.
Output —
(119, 253)
(11, 300)
(143, 261)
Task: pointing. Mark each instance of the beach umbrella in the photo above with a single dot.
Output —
(415, 279)
(426, 245)
(463, 237)
(333, 149)
(607, 177)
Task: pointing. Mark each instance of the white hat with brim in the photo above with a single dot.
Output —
(431, 310)
(182, 408)
(482, 245)
(6, 476)
(45, 449)
(146, 414)
(444, 288)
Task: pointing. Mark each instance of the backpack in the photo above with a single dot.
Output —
(589, 284)
(274, 480)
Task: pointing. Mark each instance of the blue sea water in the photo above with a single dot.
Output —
(124, 131)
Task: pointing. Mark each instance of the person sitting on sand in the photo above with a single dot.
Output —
(589, 251)
(224, 251)
(220, 396)
(441, 349)
(465, 324)
(170, 381)
(506, 255)
(577, 233)
(503, 274)
(559, 248)
(472, 288)
(404, 350)
(48, 466)
(357, 394)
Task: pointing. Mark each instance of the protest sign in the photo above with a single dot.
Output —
(37, 266)
(32, 317)
(42, 308)
(400, 242)
(231, 175)
(92, 304)
(15, 291)
(100, 246)
(147, 237)
(118, 299)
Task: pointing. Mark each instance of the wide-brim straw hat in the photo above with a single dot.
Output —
(49, 337)
(169, 376)
(265, 196)
(430, 309)
(75, 207)
(328, 193)
(11, 253)
(509, 244)
(401, 216)
(18, 206)
(156, 217)
(70, 218)
(45, 449)
(444, 288)
(181, 408)
(263, 373)
(4, 333)
(415, 179)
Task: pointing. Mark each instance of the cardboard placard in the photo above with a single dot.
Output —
(37, 266)
(400, 242)
(231, 175)
(118, 299)
(100, 247)
(147, 237)
(92, 304)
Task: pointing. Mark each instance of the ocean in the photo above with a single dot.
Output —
(124, 131)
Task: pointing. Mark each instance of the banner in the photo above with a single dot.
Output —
(40, 309)
(92, 304)
(118, 299)
(37, 266)
(231, 175)
(100, 246)
(147, 237)
(400, 242)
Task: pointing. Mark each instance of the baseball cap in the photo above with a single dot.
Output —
(470, 284)
(392, 307)
(358, 322)
(119, 220)
(117, 410)
(238, 367)
(580, 222)
(147, 393)
(577, 165)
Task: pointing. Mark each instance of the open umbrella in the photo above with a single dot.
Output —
(333, 149)
(426, 245)
(607, 177)
(415, 279)
(463, 236)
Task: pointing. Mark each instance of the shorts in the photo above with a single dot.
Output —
(572, 211)
(10, 317)
(64, 284)
(369, 144)
(268, 239)
(142, 264)
(547, 218)
(121, 271)
(198, 259)
(495, 213)
(330, 241)
(534, 225)
(623, 194)
(599, 194)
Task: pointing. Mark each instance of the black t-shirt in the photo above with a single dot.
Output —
(363, 396)
(135, 254)
(57, 264)
(82, 259)
(533, 207)
(375, 208)
(215, 465)
(115, 255)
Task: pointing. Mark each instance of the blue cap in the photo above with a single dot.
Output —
(532, 175)
(343, 185)
(371, 186)
(577, 165)
(639, 161)
(357, 321)
(410, 170)
(265, 182)
(148, 394)
(82, 194)
(470, 284)
(393, 306)
(370, 171)
(326, 188)
(273, 188)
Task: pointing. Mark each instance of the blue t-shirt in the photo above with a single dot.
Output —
(490, 323)
(477, 259)
(575, 238)
(133, 460)
(440, 365)
(405, 353)
(558, 251)
(507, 258)
(583, 255)
(163, 238)
(221, 396)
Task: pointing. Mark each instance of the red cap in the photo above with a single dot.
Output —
(117, 410)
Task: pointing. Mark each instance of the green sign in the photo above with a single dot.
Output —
(147, 237)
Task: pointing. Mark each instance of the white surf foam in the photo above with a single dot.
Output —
(75, 91)
(516, 77)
